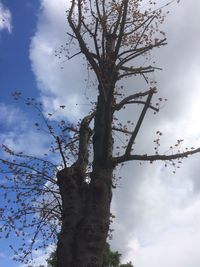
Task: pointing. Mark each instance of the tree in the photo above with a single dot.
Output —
(112, 36)
(111, 258)
(52, 260)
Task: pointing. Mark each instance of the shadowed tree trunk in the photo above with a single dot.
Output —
(86, 207)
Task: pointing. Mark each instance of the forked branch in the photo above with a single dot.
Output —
(134, 71)
(129, 98)
(130, 54)
(76, 30)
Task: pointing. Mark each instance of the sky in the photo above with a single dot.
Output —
(157, 212)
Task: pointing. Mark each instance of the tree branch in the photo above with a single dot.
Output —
(84, 49)
(61, 152)
(134, 73)
(121, 130)
(76, 54)
(132, 69)
(85, 134)
(133, 53)
(118, 19)
(138, 27)
(157, 157)
(143, 102)
(25, 166)
(131, 97)
(143, 32)
(121, 30)
(139, 123)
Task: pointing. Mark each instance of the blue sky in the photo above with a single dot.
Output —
(15, 66)
(15, 73)
(160, 226)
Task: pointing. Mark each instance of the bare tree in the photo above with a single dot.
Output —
(112, 36)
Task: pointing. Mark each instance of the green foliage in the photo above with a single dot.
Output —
(51, 261)
(111, 258)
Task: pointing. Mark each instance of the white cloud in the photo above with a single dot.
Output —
(38, 144)
(10, 115)
(57, 86)
(5, 18)
(177, 245)
(157, 216)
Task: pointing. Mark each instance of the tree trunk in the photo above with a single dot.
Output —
(93, 229)
(86, 207)
(85, 218)
(72, 194)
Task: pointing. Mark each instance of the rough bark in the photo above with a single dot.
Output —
(85, 218)
(93, 229)
(72, 193)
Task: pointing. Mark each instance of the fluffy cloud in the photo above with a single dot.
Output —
(176, 245)
(9, 115)
(157, 212)
(5, 18)
(57, 83)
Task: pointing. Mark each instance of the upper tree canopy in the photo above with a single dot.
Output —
(111, 34)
